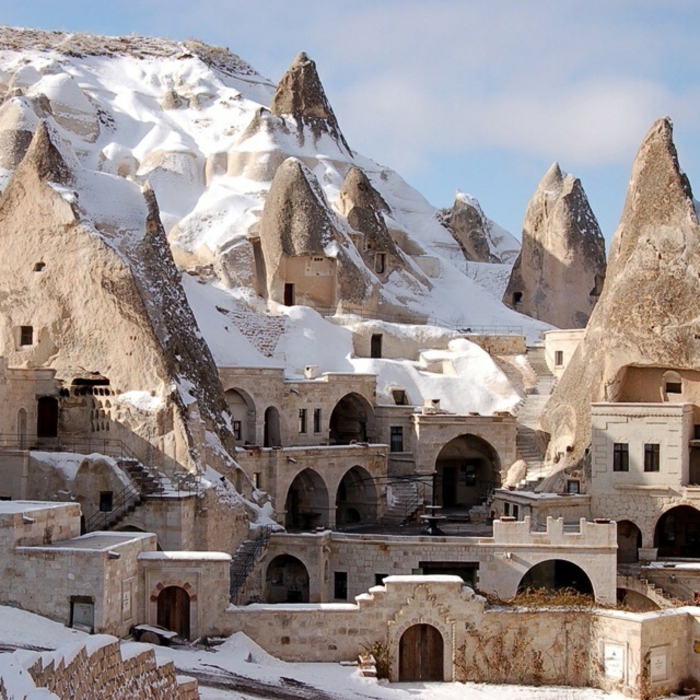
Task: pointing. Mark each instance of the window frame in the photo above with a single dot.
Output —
(652, 457)
(621, 457)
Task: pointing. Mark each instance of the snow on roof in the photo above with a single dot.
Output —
(184, 556)
(15, 507)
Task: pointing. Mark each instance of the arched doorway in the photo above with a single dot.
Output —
(677, 533)
(22, 429)
(307, 502)
(421, 654)
(242, 409)
(352, 420)
(554, 575)
(174, 610)
(272, 436)
(356, 499)
(287, 580)
(467, 470)
(629, 540)
(47, 417)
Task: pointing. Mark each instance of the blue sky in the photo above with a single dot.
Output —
(480, 95)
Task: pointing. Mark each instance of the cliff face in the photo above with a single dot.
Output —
(559, 273)
(647, 314)
(85, 264)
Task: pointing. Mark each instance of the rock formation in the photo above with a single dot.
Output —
(480, 238)
(647, 314)
(300, 94)
(306, 257)
(86, 267)
(559, 273)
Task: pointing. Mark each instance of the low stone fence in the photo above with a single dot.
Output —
(96, 669)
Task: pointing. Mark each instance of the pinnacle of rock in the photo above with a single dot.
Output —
(559, 273)
(647, 313)
(45, 158)
(300, 94)
(469, 227)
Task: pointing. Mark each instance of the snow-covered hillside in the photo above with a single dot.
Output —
(195, 122)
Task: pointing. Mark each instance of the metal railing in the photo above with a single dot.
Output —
(102, 520)
(241, 568)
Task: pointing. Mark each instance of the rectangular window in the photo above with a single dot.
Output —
(379, 579)
(400, 397)
(375, 345)
(652, 457)
(317, 420)
(340, 585)
(621, 457)
(237, 429)
(559, 358)
(573, 486)
(256, 480)
(396, 444)
(506, 509)
(380, 263)
(302, 420)
(26, 335)
(516, 511)
(106, 501)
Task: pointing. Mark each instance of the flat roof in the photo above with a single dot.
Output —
(15, 507)
(96, 541)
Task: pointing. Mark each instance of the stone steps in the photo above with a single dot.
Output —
(406, 501)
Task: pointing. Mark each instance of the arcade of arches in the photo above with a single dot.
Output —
(356, 501)
(307, 502)
(468, 469)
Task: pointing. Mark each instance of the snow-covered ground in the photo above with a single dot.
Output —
(239, 662)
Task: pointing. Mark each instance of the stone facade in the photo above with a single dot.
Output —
(559, 348)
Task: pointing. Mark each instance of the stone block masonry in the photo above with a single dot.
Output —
(98, 669)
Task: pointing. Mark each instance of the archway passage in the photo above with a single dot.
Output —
(174, 610)
(677, 533)
(47, 417)
(307, 502)
(242, 409)
(421, 654)
(352, 420)
(287, 580)
(468, 469)
(554, 575)
(629, 540)
(356, 500)
(272, 437)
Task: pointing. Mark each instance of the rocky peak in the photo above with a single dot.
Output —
(647, 312)
(300, 94)
(470, 228)
(45, 158)
(559, 273)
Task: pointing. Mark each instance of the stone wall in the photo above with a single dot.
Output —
(564, 341)
(500, 344)
(99, 670)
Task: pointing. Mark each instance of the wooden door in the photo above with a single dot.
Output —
(174, 610)
(421, 654)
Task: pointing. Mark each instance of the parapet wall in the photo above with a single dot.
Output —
(601, 534)
(98, 669)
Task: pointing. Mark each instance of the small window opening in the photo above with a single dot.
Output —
(380, 263)
(396, 438)
(39, 267)
(652, 457)
(559, 358)
(106, 498)
(573, 486)
(621, 457)
(302, 420)
(317, 420)
(26, 335)
(237, 431)
(379, 579)
(375, 349)
(517, 298)
(506, 509)
(516, 511)
(674, 388)
(340, 585)
(400, 397)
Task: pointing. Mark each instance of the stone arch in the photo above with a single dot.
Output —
(672, 387)
(286, 580)
(272, 435)
(421, 654)
(352, 420)
(677, 532)
(173, 606)
(307, 505)
(242, 409)
(22, 429)
(356, 498)
(629, 540)
(467, 469)
(422, 607)
(556, 574)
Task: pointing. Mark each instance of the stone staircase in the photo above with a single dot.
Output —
(245, 558)
(405, 502)
(634, 581)
(528, 415)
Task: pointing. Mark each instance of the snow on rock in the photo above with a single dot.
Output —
(141, 400)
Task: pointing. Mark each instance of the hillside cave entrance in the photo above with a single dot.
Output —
(307, 502)
(556, 575)
(287, 580)
(677, 533)
(174, 610)
(421, 655)
(467, 470)
(352, 420)
(356, 500)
